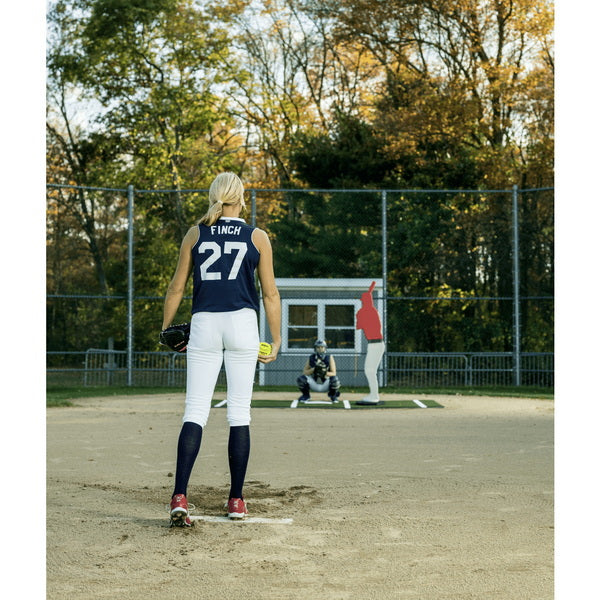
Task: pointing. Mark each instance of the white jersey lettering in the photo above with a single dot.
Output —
(225, 229)
(214, 254)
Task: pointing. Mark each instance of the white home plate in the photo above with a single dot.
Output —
(294, 404)
(246, 520)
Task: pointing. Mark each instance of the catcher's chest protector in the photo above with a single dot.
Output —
(225, 259)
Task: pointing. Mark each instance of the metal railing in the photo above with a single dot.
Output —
(101, 367)
(405, 369)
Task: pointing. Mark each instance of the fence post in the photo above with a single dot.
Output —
(86, 367)
(130, 285)
(516, 292)
(384, 276)
(468, 370)
(253, 205)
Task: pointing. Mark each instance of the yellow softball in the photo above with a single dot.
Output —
(264, 349)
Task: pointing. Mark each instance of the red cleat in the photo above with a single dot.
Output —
(179, 511)
(236, 509)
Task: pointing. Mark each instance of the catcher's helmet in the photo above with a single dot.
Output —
(320, 347)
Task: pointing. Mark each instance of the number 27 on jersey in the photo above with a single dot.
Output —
(209, 268)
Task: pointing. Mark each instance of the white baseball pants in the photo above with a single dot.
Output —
(315, 386)
(231, 336)
(374, 354)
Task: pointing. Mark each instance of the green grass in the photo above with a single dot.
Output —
(62, 396)
(57, 395)
(499, 391)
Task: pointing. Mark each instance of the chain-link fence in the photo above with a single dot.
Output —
(461, 273)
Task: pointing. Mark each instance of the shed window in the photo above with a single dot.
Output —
(302, 325)
(329, 320)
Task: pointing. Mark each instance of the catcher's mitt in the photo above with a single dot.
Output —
(320, 371)
(175, 337)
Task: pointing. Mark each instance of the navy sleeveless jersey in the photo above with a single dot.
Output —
(224, 260)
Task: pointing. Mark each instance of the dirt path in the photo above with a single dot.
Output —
(426, 504)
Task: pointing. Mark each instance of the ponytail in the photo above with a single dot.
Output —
(212, 214)
(227, 188)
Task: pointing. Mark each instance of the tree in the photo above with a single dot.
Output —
(350, 155)
(296, 77)
(478, 72)
(147, 74)
(153, 70)
(156, 67)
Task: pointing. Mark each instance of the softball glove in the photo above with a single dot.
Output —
(175, 337)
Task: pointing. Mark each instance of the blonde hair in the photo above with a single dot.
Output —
(226, 189)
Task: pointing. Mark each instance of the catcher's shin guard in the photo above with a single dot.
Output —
(334, 387)
(303, 386)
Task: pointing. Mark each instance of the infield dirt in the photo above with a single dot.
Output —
(425, 504)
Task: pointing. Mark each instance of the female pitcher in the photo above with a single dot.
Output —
(222, 252)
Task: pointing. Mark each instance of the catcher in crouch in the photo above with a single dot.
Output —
(319, 374)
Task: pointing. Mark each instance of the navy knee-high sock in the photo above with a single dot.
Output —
(239, 451)
(188, 447)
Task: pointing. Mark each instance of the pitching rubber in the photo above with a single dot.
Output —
(213, 519)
